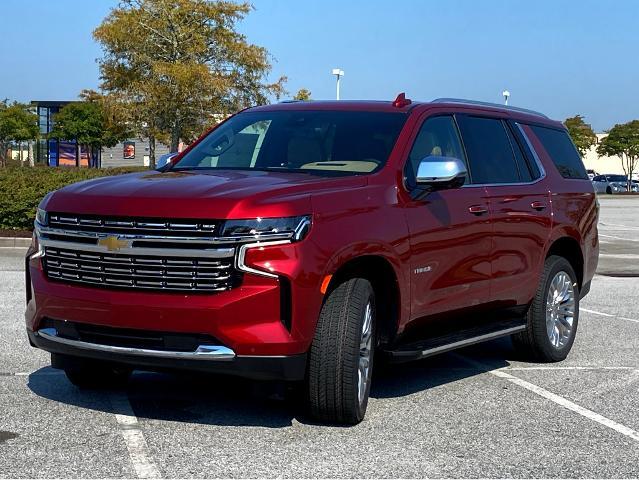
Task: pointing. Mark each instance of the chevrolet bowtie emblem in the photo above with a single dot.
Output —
(113, 243)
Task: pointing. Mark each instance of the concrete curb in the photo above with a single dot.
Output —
(14, 242)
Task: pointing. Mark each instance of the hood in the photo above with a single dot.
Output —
(205, 194)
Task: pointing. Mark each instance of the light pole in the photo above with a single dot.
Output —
(339, 74)
(506, 94)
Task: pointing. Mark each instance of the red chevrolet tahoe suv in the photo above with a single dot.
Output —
(301, 241)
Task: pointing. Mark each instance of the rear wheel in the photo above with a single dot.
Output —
(553, 314)
(608, 190)
(341, 355)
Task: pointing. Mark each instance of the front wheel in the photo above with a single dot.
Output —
(341, 355)
(553, 314)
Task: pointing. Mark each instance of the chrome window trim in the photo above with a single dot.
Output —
(542, 170)
(241, 254)
(203, 352)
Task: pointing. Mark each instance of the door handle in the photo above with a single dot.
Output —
(477, 209)
(539, 206)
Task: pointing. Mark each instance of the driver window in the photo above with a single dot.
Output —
(437, 136)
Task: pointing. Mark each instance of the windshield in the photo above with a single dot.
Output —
(320, 142)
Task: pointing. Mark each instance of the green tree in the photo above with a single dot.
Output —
(18, 124)
(303, 94)
(623, 141)
(581, 133)
(177, 63)
(88, 123)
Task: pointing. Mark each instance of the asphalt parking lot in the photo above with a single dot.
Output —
(478, 412)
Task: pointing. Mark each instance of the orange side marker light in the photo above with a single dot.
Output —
(325, 282)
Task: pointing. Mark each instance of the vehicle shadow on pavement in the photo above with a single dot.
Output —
(396, 380)
(229, 401)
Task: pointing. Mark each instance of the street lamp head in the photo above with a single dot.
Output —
(506, 93)
(338, 72)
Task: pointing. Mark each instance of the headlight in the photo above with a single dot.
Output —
(293, 228)
(41, 216)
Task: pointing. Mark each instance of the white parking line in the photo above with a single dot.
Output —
(553, 397)
(133, 437)
(624, 227)
(569, 368)
(619, 238)
(594, 312)
(628, 256)
(561, 401)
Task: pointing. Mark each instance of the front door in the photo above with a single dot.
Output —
(450, 231)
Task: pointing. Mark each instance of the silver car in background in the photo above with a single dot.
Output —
(612, 184)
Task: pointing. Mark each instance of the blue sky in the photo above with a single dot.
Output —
(559, 56)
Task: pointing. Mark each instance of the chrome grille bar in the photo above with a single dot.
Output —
(132, 225)
(122, 270)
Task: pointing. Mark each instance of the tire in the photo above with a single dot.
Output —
(541, 341)
(93, 375)
(609, 190)
(333, 376)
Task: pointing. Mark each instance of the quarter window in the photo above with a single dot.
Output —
(562, 151)
(489, 150)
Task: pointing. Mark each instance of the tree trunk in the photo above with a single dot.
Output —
(20, 154)
(175, 137)
(31, 159)
(152, 152)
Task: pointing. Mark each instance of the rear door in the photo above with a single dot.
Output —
(502, 162)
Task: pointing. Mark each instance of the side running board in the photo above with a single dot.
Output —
(451, 341)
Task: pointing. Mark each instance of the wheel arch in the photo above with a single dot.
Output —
(379, 271)
(569, 248)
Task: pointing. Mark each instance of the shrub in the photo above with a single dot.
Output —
(22, 188)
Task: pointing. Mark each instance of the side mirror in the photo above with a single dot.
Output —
(441, 173)
(164, 160)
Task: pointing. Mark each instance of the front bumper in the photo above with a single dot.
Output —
(206, 358)
(264, 316)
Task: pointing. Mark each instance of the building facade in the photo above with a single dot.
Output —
(133, 152)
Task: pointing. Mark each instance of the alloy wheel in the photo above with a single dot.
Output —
(560, 309)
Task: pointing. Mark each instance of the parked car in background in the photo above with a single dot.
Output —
(300, 241)
(609, 183)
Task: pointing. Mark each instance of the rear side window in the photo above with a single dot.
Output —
(561, 150)
(490, 155)
(522, 165)
(515, 128)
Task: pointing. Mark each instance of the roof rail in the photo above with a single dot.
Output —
(488, 104)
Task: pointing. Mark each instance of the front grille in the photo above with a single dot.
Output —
(133, 226)
(113, 270)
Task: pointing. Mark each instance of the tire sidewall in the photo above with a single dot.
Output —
(361, 407)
